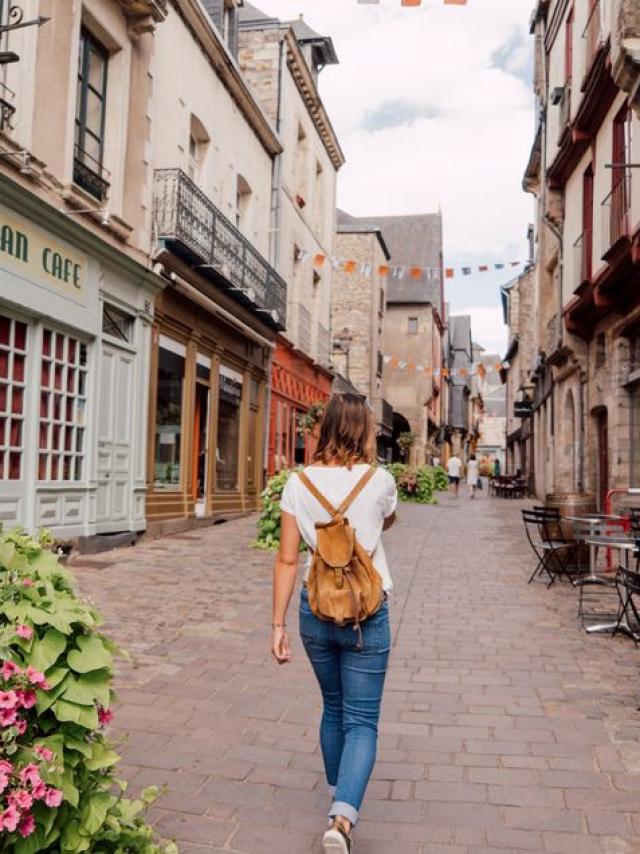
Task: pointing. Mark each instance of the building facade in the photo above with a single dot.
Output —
(461, 430)
(76, 287)
(585, 309)
(358, 310)
(281, 62)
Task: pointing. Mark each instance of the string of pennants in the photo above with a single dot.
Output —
(416, 2)
(398, 272)
(479, 370)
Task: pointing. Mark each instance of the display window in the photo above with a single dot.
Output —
(168, 429)
(13, 356)
(228, 447)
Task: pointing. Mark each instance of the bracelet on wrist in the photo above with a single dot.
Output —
(278, 625)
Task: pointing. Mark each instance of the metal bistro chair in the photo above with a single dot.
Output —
(628, 587)
(552, 550)
(596, 535)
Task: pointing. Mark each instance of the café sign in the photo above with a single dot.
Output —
(32, 253)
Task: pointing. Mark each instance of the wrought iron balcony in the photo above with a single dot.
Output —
(89, 174)
(616, 209)
(7, 108)
(192, 226)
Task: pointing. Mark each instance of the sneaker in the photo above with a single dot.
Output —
(336, 840)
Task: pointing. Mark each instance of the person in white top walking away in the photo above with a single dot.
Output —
(473, 475)
(454, 470)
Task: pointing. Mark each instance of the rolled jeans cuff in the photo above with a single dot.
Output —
(345, 810)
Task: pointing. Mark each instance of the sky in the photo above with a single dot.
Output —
(433, 107)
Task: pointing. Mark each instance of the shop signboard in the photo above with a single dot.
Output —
(33, 254)
(522, 409)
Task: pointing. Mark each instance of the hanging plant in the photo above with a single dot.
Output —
(309, 420)
(405, 442)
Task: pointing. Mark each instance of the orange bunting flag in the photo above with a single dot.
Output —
(463, 372)
(415, 272)
(319, 260)
(411, 366)
(455, 2)
(498, 367)
(394, 362)
(445, 372)
(411, 2)
(449, 273)
(428, 370)
(483, 268)
(349, 266)
(481, 371)
(383, 270)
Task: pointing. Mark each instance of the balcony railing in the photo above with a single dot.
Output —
(7, 108)
(90, 174)
(616, 208)
(593, 38)
(196, 230)
(582, 264)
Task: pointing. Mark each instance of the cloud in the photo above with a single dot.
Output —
(397, 113)
(433, 108)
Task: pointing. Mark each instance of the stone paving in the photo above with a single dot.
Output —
(505, 727)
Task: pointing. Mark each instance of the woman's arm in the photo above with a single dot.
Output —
(284, 579)
(389, 521)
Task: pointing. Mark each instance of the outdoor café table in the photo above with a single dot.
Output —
(626, 546)
(592, 521)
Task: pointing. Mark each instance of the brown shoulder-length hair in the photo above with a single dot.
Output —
(347, 432)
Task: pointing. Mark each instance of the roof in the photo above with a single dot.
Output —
(348, 227)
(413, 241)
(460, 332)
(249, 12)
(322, 44)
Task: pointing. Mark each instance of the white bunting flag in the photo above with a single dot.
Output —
(336, 263)
(366, 270)
(403, 365)
(303, 255)
(398, 273)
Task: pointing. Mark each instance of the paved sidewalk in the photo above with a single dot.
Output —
(505, 727)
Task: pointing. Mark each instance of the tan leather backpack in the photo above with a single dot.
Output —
(343, 584)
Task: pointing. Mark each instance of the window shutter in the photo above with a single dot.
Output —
(215, 8)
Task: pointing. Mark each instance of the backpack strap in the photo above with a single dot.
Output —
(313, 489)
(357, 489)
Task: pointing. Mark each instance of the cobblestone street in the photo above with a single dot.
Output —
(505, 727)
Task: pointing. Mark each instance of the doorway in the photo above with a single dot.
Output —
(602, 422)
(200, 448)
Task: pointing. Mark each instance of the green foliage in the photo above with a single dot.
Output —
(405, 442)
(309, 420)
(418, 484)
(269, 522)
(51, 646)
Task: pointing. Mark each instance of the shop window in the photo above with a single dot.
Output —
(91, 100)
(229, 406)
(601, 350)
(63, 402)
(413, 326)
(168, 433)
(117, 323)
(13, 356)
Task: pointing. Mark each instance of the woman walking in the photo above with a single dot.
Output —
(473, 475)
(350, 665)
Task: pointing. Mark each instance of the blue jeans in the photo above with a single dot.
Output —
(351, 682)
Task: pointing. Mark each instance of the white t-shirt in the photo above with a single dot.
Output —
(473, 472)
(376, 502)
(454, 467)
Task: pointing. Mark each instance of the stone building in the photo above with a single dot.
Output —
(462, 428)
(585, 304)
(492, 416)
(358, 308)
(413, 327)
(281, 62)
(138, 310)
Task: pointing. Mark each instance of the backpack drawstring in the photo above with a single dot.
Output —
(356, 609)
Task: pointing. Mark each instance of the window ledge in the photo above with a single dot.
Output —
(78, 198)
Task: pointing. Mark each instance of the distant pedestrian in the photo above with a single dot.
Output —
(496, 467)
(473, 475)
(349, 656)
(454, 470)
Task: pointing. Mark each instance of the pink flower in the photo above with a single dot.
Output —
(5, 766)
(9, 669)
(4, 782)
(38, 790)
(27, 825)
(21, 799)
(105, 716)
(8, 717)
(53, 798)
(27, 582)
(35, 677)
(8, 699)
(28, 699)
(30, 774)
(21, 726)
(43, 752)
(10, 819)
(24, 631)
